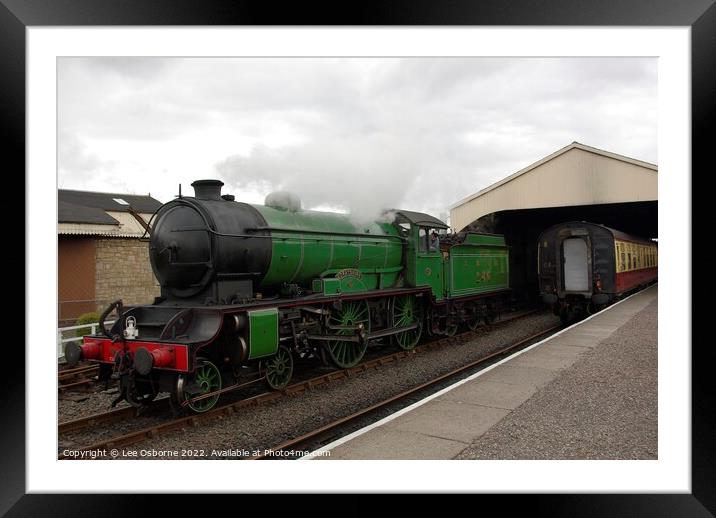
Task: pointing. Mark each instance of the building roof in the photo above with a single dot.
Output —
(71, 213)
(109, 201)
(103, 214)
(573, 145)
(576, 175)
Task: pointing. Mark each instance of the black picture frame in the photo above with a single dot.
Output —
(700, 15)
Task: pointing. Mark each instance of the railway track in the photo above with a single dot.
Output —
(120, 414)
(226, 410)
(77, 377)
(310, 438)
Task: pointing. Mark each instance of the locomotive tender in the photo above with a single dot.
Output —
(584, 266)
(246, 288)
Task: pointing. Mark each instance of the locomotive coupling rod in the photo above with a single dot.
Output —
(391, 331)
(357, 338)
(331, 338)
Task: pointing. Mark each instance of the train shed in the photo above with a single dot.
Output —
(577, 182)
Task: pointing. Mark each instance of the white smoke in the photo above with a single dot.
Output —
(363, 177)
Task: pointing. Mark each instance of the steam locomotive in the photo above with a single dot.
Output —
(246, 289)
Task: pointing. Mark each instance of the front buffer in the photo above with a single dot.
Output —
(194, 354)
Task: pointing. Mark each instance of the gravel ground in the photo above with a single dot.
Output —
(96, 402)
(270, 424)
(603, 407)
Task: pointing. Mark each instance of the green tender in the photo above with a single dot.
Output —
(479, 265)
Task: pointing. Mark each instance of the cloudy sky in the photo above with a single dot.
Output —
(350, 134)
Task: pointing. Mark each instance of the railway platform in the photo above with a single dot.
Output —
(588, 392)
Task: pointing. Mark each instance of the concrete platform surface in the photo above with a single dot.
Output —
(588, 392)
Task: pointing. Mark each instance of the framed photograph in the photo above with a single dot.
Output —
(391, 123)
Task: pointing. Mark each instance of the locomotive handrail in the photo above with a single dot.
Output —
(149, 223)
(390, 269)
(208, 224)
(208, 228)
(221, 234)
(116, 304)
(325, 232)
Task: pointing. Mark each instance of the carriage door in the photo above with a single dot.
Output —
(576, 264)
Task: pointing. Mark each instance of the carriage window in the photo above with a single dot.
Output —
(623, 265)
(628, 260)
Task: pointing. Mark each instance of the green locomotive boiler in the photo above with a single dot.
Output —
(246, 289)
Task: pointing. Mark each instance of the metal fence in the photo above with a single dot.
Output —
(61, 340)
(69, 310)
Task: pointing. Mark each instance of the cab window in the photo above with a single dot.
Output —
(423, 240)
(404, 229)
(428, 242)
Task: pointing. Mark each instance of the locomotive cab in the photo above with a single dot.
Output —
(424, 260)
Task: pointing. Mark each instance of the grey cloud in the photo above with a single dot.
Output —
(76, 159)
(415, 133)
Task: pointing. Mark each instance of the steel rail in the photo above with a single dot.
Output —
(293, 443)
(229, 409)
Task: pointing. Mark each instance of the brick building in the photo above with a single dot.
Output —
(100, 254)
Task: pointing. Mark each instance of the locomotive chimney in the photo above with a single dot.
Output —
(207, 189)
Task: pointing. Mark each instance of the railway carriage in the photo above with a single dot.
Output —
(584, 266)
(246, 289)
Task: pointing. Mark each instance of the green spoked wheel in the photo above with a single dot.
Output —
(405, 311)
(279, 368)
(206, 378)
(345, 354)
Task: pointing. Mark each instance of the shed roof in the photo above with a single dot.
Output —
(573, 145)
(71, 213)
(572, 176)
(109, 201)
(103, 213)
